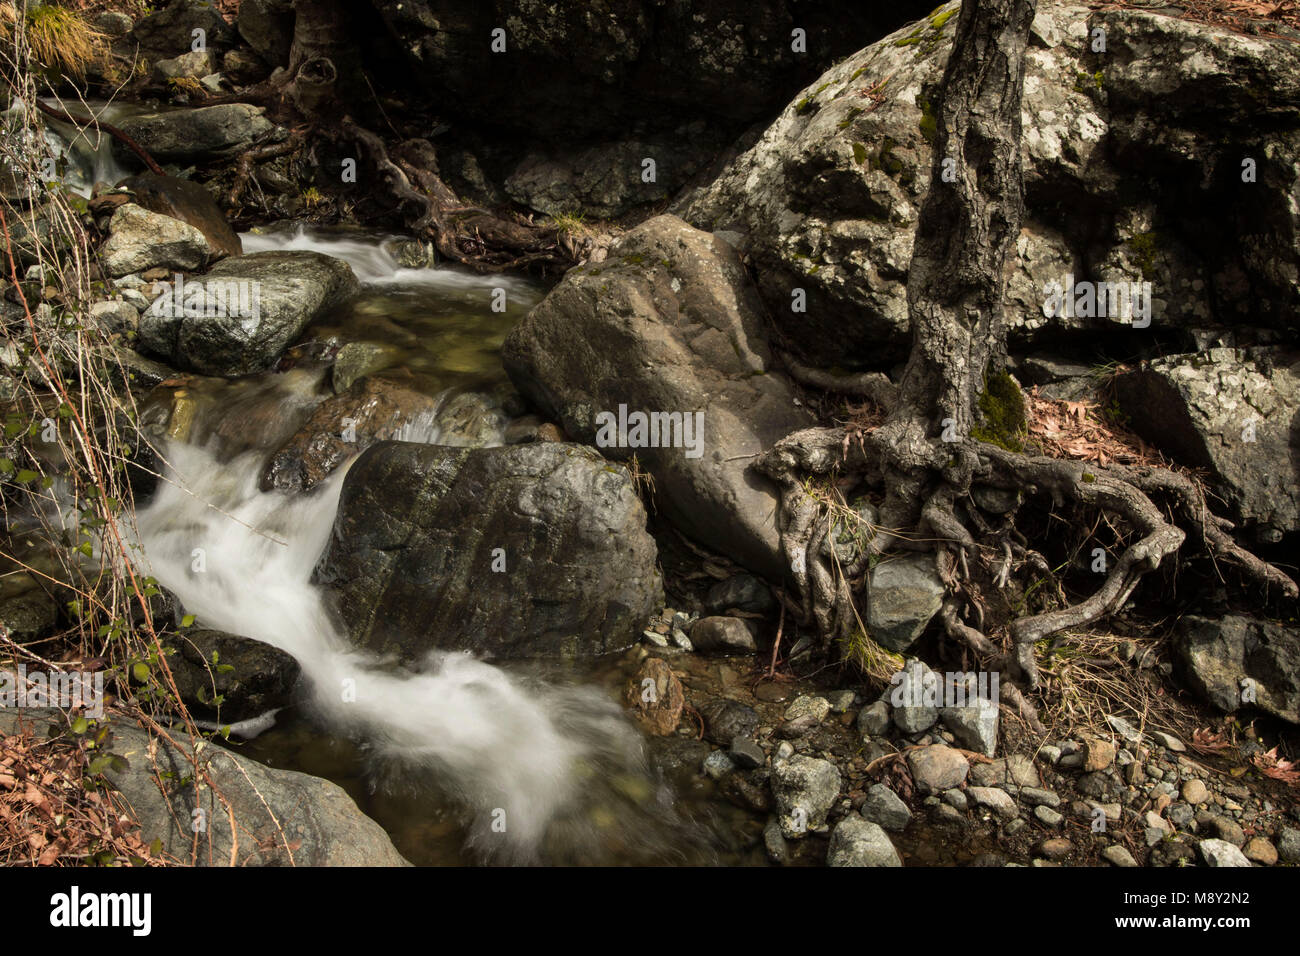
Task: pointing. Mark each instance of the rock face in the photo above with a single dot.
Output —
(1130, 141)
(282, 817)
(525, 550)
(256, 304)
(190, 203)
(669, 323)
(1215, 656)
(140, 239)
(204, 134)
(644, 64)
(251, 677)
(1235, 413)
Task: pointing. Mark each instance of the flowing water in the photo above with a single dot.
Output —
(458, 758)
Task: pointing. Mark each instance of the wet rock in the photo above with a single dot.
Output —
(252, 308)
(1215, 655)
(717, 765)
(656, 697)
(307, 821)
(903, 594)
(883, 806)
(141, 240)
(873, 720)
(189, 202)
(555, 561)
(937, 768)
(251, 677)
(204, 134)
(858, 842)
(1230, 412)
(356, 360)
(374, 409)
(722, 635)
(746, 753)
(1220, 853)
(28, 617)
(805, 789)
(724, 720)
(669, 323)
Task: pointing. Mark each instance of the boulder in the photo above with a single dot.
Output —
(858, 842)
(169, 32)
(1216, 656)
(1235, 413)
(267, 27)
(190, 65)
(668, 323)
(515, 551)
(805, 789)
(199, 135)
(281, 817)
(139, 240)
(251, 677)
(28, 617)
(722, 635)
(253, 306)
(827, 198)
(189, 202)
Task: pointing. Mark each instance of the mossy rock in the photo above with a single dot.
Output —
(1005, 422)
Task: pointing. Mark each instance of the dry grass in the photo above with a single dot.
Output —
(59, 39)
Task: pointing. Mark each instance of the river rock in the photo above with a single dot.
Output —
(669, 323)
(516, 551)
(1233, 413)
(903, 594)
(189, 202)
(725, 720)
(28, 617)
(140, 239)
(198, 135)
(740, 592)
(859, 842)
(281, 817)
(252, 677)
(656, 698)
(292, 288)
(722, 635)
(827, 199)
(937, 768)
(169, 31)
(1215, 655)
(884, 807)
(805, 789)
(1218, 853)
(190, 65)
(915, 688)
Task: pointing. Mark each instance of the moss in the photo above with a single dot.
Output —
(1003, 409)
(859, 153)
(803, 106)
(929, 120)
(938, 20)
(848, 121)
(1145, 247)
(634, 260)
(1089, 477)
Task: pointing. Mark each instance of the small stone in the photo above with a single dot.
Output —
(778, 851)
(1015, 826)
(1036, 797)
(807, 706)
(1155, 821)
(1195, 792)
(1117, 855)
(1288, 845)
(722, 635)
(746, 753)
(1049, 753)
(999, 801)
(841, 700)
(1168, 741)
(883, 806)
(937, 768)
(874, 720)
(1124, 729)
(1220, 853)
(859, 842)
(1230, 831)
(1047, 816)
(717, 765)
(1098, 755)
(956, 799)
(1259, 850)
(1056, 848)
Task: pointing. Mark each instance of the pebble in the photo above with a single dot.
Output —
(937, 768)
(884, 807)
(1047, 816)
(808, 706)
(1015, 826)
(999, 801)
(1049, 753)
(841, 700)
(956, 799)
(1117, 855)
(717, 765)
(1288, 845)
(1195, 792)
(746, 753)
(1168, 741)
(1098, 755)
(1230, 831)
(1220, 853)
(1056, 848)
(874, 720)
(1037, 797)
(1259, 850)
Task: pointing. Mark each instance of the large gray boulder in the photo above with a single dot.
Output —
(204, 134)
(281, 817)
(521, 551)
(242, 315)
(1226, 660)
(669, 323)
(169, 32)
(1235, 413)
(1133, 172)
(189, 202)
(230, 678)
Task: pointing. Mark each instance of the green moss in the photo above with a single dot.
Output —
(634, 259)
(938, 20)
(1002, 407)
(1088, 477)
(929, 120)
(803, 106)
(848, 121)
(1145, 247)
(859, 153)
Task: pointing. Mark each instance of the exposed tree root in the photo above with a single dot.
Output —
(260, 154)
(83, 122)
(469, 235)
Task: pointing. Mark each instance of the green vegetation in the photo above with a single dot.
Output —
(1002, 407)
(59, 39)
(1145, 247)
